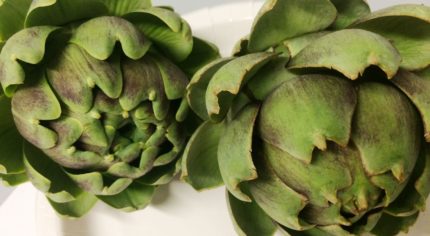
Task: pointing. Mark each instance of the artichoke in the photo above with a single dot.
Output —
(93, 103)
(319, 123)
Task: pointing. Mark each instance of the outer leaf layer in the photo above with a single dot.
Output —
(76, 208)
(12, 16)
(282, 19)
(416, 88)
(200, 163)
(229, 79)
(28, 46)
(249, 218)
(137, 196)
(166, 29)
(59, 12)
(110, 30)
(334, 51)
(407, 27)
(11, 161)
(197, 87)
(349, 11)
(234, 151)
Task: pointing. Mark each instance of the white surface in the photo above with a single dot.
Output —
(178, 210)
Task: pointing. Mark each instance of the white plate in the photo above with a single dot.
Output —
(178, 209)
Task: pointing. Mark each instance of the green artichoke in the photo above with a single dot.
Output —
(93, 103)
(320, 123)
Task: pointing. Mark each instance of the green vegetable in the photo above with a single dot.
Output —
(319, 125)
(93, 103)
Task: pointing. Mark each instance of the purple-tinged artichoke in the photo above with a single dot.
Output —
(95, 88)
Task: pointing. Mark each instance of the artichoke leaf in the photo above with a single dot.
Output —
(422, 185)
(174, 136)
(306, 178)
(241, 47)
(392, 143)
(234, 151)
(99, 184)
(408, 29)
(59, 12)
(248, 218)
(329, 230)
(366, 224)
(304, 113)
(160, 175)
(271, 194)
(93, 132)
(28, 46)
(425, 73)
(37, 97)
(125, 170)
(166, 29)
(65, 152)
(143, 81)
(110, 30)
(122, 7)
(74, 74)
(228, 81)
(48, 177)
(283, 19)
(413, 197)
(11, 161)
(175, 81)
(334, 51)
(203, 53)
(183, 112)
(82, 204)
(390, 225)
(199, 162)
(12, 17)
(416, 88)
(135, 197)
(196, 89)
(9, 180)
(295, 45)
(349, 12)
(270, 77)
(318, 231)
(334, 230)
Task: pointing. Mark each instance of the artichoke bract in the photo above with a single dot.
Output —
(319, 123)
(95, 88)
